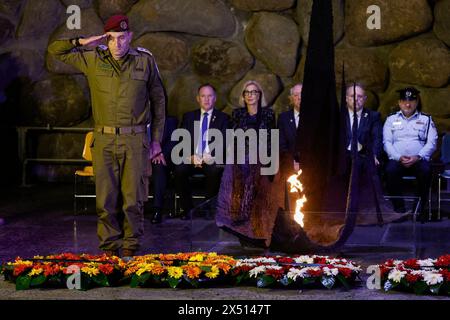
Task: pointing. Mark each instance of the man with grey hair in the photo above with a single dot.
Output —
(288, 122)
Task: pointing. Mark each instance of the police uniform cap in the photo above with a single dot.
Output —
(409, 93)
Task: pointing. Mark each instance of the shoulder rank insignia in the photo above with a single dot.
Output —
(144, 50)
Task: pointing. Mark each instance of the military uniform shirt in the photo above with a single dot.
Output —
(412, 136)
(122, 92)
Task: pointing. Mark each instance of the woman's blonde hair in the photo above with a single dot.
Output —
(262, 97)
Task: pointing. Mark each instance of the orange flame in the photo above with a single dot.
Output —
(296, 186)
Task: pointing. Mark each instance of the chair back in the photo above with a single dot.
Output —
(445, 149)
(87, 155)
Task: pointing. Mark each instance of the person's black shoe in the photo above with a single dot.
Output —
(157, 217)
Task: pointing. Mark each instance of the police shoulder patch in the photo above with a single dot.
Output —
(144, 50)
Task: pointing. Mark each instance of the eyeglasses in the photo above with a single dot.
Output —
(358, 97)
(251, 93)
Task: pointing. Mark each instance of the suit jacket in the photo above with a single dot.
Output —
(167, 144)
(288, 131)
(369, 132)
(218, 121)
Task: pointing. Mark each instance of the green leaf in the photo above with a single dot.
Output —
(240, 278)
(192, 282)
(309, 280)
(23, 283)
(37, 281)
(265, 281)
(206, 268)
(342, 280)
(85, 282)
(405, 283)
(101, 280)
(143, 278)
(420, 287)
(173, 283)
(134, 281)
(435, 289)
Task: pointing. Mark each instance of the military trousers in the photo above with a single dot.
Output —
(121, 169)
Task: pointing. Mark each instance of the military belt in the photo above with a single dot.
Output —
(121, 130)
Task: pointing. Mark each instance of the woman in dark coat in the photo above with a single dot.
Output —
(246, 205)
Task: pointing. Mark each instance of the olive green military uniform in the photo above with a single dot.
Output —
(126, 96)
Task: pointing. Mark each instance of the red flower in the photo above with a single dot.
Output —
(51, 269)
(242, 269)
(389, 263)
(413, 278)
(443, 261)
(346, 272)
(320, 260)
(19, 269)
(445, 274)
(285, 260)
(412, 264)
(384, 270)
(315, 273)
(106, 268)
(277, 274)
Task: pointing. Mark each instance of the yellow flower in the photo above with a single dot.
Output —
(198, 257)
(91, 271)
(175, 272)
(213, 273)
(144, 267)
(35, 272)
(23, 263)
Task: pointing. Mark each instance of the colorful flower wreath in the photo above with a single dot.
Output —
(419, 276)
(297, 271)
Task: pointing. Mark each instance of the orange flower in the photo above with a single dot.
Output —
(192, 272)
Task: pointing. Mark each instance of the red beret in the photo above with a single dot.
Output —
(117, 23)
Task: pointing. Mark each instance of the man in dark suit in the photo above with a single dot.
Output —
(288, 122)
(369, 134)
(201, 157)
(161, 167)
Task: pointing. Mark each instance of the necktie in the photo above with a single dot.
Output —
(354, 143)
(204, 129)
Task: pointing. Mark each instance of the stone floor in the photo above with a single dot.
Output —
(40, 220)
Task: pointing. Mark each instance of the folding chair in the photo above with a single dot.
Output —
(445, 158)
(86, 174)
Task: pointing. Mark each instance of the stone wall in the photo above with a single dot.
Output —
(224, 42)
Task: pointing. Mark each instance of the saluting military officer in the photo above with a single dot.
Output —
(127, 95)
(409, 139)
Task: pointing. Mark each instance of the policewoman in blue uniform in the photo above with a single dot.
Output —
(409, 139)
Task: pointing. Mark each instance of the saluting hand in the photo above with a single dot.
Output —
(93, 41)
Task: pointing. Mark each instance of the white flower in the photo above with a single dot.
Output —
(331, 272)
(397, 262)
(295, 272)
(396, 275)
(247, 264)
(432, 278)
(304, 259)
(255, 271)
(426, 262)
(274, 267)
